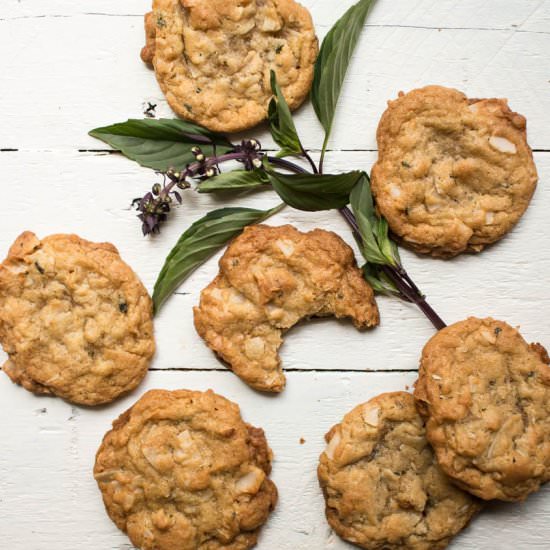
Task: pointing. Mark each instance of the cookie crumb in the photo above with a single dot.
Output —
(149, 110)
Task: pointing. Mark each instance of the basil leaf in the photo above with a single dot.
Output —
(363, 209)
(234, 180)
(205, 237)
(361, 199)
(376, 245)
(281, 123)
(378, 280)
(313, 192)
(160, 144)
(387, 246)
(333, 60)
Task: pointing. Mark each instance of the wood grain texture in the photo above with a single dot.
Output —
(499, 14)
(70, 66)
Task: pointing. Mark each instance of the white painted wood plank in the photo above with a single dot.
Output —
(497, 14)
(68, 66)
(82, 71)
(539, 20)
(50, 500)
(89, 194)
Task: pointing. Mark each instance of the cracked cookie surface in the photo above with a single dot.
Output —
(453, 174)
(213, 58)
(485, 393)
(383, 487)
(270, 278)
(75, 320)
(180, 469)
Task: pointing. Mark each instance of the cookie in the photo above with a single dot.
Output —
(453, 174)
(75, 320)
(270, 278)
(485, 393)
(181, 470)
(213, 58)
(382, 485)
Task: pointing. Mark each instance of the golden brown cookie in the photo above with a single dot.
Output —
(270, 278)
(486, 395)
(180, 470)
(75, 320)
(213, 58)
(382, 485)
(453, 174)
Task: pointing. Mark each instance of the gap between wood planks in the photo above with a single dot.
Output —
(347, 371)
(114, 152)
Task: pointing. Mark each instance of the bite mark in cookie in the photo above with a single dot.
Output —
(75, 320)
(453, 174)
(181, 469)
(213, 58)
(270, 278)
(382, 485)
(485, 393)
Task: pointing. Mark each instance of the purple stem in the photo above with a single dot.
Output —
(194, 167)
(404, 288)
(287, 165)
(305, 154)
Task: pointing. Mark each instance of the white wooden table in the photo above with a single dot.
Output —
(68, 66)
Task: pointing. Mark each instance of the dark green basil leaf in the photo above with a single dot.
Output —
(333, 60)
(205, 237)
(314, 192)
(376, 245)
(160, 144)
(281, 124)
(234, 180)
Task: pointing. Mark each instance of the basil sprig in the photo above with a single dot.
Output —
(161, 144)
(190, 156)
(204, 238)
